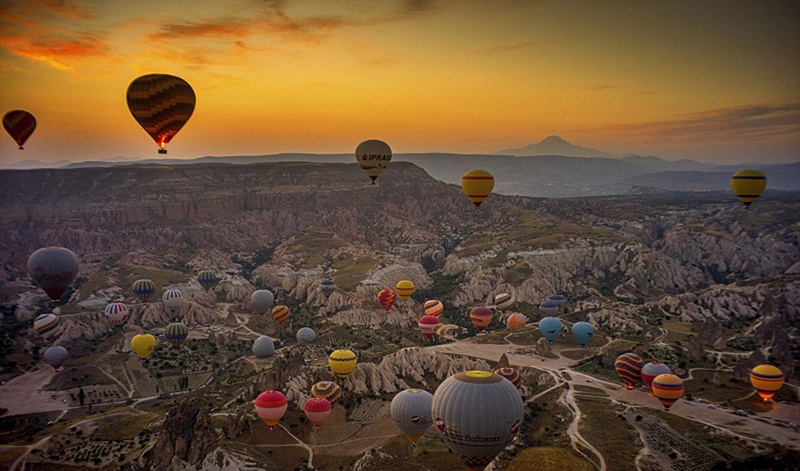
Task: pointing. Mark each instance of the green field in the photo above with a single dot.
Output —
(606, 431)
(548, 459)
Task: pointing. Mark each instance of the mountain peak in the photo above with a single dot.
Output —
(554, 145)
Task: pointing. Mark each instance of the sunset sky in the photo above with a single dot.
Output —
(714, 81)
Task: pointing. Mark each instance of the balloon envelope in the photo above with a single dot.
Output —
(651, 370)
(342, 362)
(53, 269)
(405, 289)
(477, 185)
(176, 333)
(503, 301)
(270, 406)
(263, 347)
(327, 287)
(49, 326)
(55, 356)
(516, 320)
(411, 411)
(767, 380)
(629, 368)
(548, 308)
(511, 374)
(143, 345)
(161, 104)
(558, 299)
(582, 331)
(328, 390)
(143, 289)
(117, 313)
(433, 308)
(207, 279)
(373, 156)
(550, 328)
(481, 317)
(263, 300)
(306, 335)
(428, 325)
(19, 124)
(667, 388)
(387, 298)
(172, 298)
(477, 413)
(317, 410)
(280, 314)
(748, 185)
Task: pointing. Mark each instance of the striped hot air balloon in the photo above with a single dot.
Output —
(317, 410)
(117, 313)
(629, 368)
(280, 313)
(327, 287)
(20, 125)
(511, 374)
(548, 308)
(503, 301)
(748, 185)
(404, 289)
(176, 333)
(49, 326)
(387, 298)
(651, 370)
(411, 411)
(428, 326)
(767, 380)
(481, 317)
(342, 362)
(477, 185)
(270, 406)
(327, 390)
(143, 289)
(433, 308)
(668, 388)
(373, 156)
(173, 299)
(207, 279)
(161, 104)
(516, 321)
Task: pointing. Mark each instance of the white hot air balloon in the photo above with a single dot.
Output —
(263, 347)
(263, 300)
(411, 411)
(306, 335)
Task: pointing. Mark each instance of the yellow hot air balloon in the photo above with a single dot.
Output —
(405, 289)
(477, 185)
(767, 380)
(143, 345)
(342, 362)
(748, 185)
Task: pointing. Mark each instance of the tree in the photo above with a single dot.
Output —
(81, 396)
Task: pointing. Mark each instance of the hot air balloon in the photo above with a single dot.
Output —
(55, 356)
(117, 313)
(629, 368)
(328, 390)
(280, 314)
(405, 289)
(49, 326)
(161, 104)
(207, 279)
(176, 333)
(550, 327)
(263, 347)
(342, 362)
(582, 331)
(477, 185)
(53, 269)
(144, 288)
(477, 414)
(748, 185)
(651, 370)
(387, 298)
(481, 317)
(143, 345)
(516, 321)
(503, 301)
(428, 326)
(373, 156)
(433, 308)
(20, 125)
(317, 410)
(511, 374)
(411, 411)
(270, 406)
(306, 335)
(667, 388)
(173, 299)
(327, 287)
(263, 300)
(548, 308)
(767, 380)
(558, 299)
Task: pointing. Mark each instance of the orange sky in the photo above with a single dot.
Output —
(715, 81)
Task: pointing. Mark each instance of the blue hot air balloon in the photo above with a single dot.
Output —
(582, 331)
(550, 328)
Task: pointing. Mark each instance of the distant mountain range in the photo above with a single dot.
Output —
(552, 168)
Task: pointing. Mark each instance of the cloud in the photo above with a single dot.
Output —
(512, 45)
(66, 9)
(743, 123)
(53, 51)
(600, 86)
